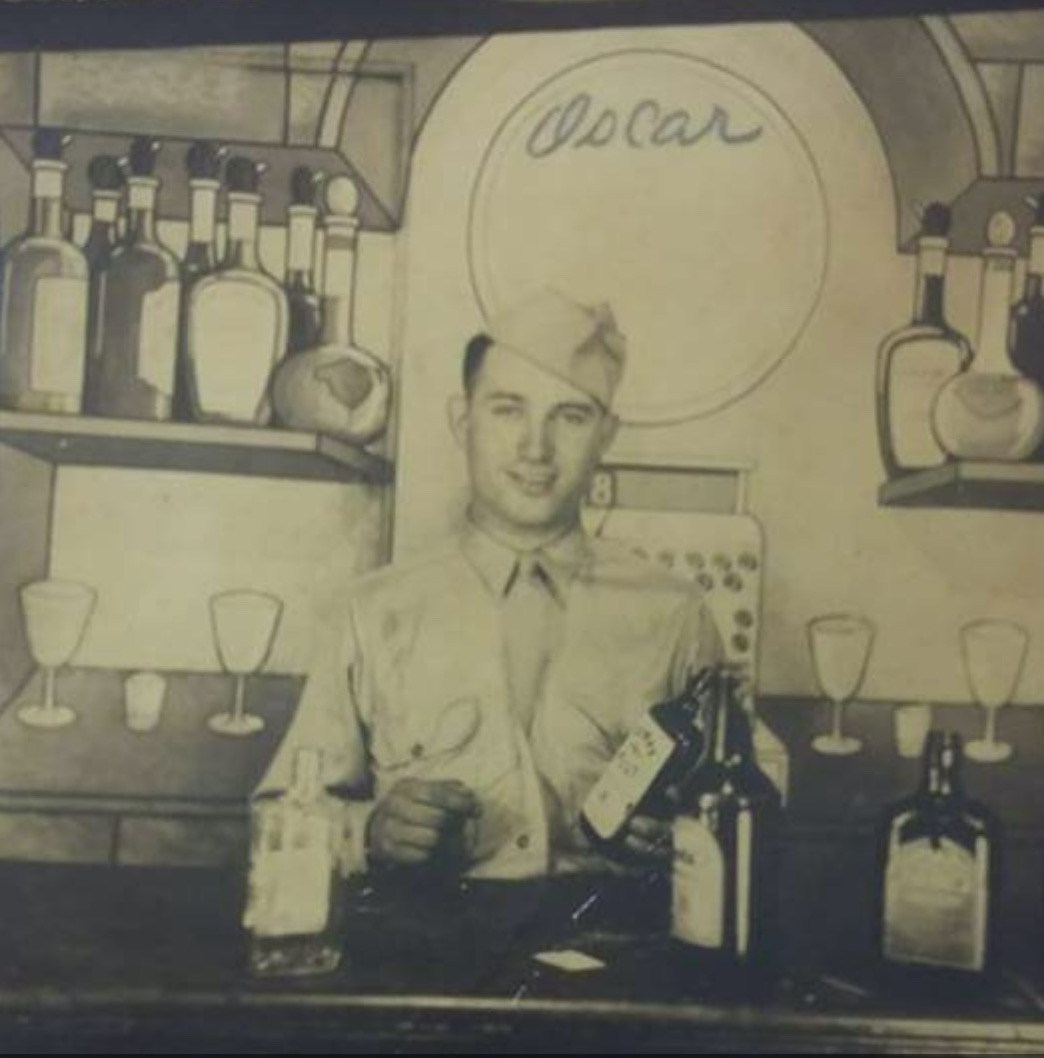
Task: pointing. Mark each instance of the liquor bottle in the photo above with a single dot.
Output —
(140, 295)
(991, 411)
(724, 882)
(43, 317)
(939, 869)
(301, 294)
(203, 161)
(916, 361)
(237, 316)
(657, 754)
(106, 179)
(336, 387)
(294, 882)
(1026, 329)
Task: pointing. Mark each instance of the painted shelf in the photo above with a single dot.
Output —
(259, 452)
(970, 484)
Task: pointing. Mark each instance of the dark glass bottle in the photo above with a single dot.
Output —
(725, 878)
(301, 294)
(661, 750)
(203, 162)
(939, 856)
(106, 179)
(1026, 330)
(916, 361)
(43, 316)
(141, 292)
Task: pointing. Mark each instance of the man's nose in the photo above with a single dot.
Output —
(537, 442)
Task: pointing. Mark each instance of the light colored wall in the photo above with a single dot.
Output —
(810, 427)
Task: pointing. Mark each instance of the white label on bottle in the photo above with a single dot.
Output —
(627, 778)
(237, 331)
(106, 205)
(1036, 261)
(158, 337)
(141, 192)
(243, 210)
(59, 336)
(48, 179)
(697, 885)
(935, 904)
(933, 256)
(204, 202)
(293, 875)
(919, 370)
(300, 240)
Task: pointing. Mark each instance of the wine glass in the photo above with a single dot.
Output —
(840, 646)
(993, 653)
(56, 613)
(244, 626)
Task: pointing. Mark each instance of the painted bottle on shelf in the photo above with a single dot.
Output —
(294, 881)
(939, 870)
(992, 411)
(203, 162)
(46, 288)
(301, 293)
(237, 316)
(140, 296)
(664, 747)
(727, 834)
(336, 387)
(1026, 327)
(105, 175)
(916, 361)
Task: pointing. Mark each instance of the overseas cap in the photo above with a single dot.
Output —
(580, 344)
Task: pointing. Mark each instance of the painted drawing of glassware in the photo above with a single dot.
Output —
(992, 411)
(244, 624)
(993, 653)
(56, 613)
(840, 645)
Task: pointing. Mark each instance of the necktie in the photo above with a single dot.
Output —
(529, 610)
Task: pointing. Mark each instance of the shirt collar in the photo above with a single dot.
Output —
(495, 560)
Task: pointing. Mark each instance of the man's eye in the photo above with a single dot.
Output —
(575, 416)
(506, 411)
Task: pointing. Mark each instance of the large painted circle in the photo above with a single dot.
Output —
(675, 190)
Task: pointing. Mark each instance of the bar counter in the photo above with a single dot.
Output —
(153, 960)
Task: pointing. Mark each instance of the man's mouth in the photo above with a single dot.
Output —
(533, 483)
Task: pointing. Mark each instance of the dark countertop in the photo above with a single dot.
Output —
(153, 960)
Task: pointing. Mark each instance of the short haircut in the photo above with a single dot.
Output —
(474, 357)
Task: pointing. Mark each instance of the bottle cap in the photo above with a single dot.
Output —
(49, 144)
(203, 160)
(104, 173)
(342, 196)
(243, 175)
(141, 160)
(304, 185)
(936, 221)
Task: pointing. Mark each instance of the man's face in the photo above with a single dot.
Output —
(532, 442)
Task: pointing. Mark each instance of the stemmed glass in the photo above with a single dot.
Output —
(244, 624)
(56, 613)
(840, 645)
(993, 653)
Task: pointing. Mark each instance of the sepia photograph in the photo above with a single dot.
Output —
(519, 527)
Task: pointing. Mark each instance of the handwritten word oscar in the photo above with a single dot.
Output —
(583, 123)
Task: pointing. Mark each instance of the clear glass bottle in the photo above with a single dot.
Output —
(46, 286)
(916, 361)
(294, 884)
(237, 316)
(203, 163)
(724, 882)
(991, 411)
(106, 179)
(141, 292)
(939, 864)
(301, 294)
(336, 387)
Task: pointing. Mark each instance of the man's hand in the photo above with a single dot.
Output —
(648, 839)
(419, 819)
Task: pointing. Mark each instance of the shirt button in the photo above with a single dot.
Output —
(522, 841)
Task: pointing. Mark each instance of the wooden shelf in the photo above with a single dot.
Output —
(970, 484)
(259, 452)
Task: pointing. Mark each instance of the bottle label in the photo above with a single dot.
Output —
(204, 201)
(935, 904)
(627, 778)
(1036, 261)
(300, 244)
(698, 885)
(59, 335)
(237, 331)
(158, 337)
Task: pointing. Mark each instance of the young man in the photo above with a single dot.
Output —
(477, 695)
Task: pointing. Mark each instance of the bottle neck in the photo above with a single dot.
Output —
(48, 188)
(728, 734)
(339, 281)
(203, 211)
(998, 275)
(243, 216)
(941, 768)
(930, 287)
(300, 248)
(141, 208)
(1035, 266)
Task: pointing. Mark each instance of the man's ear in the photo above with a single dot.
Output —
(457, 413)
